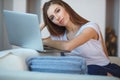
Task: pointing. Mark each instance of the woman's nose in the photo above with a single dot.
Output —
(57, 17)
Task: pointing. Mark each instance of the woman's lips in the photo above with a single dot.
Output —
(61, 21)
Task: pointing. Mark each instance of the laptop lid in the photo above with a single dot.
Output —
(23, 29)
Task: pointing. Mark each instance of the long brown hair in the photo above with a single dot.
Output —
(54, 29)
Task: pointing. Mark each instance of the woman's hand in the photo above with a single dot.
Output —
(46, 40)
(42, 26)
(58, 44)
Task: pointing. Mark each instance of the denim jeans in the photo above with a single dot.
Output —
(112, 68)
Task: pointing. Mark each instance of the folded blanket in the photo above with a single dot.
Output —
(58, 64)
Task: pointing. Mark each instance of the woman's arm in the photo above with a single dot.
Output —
(87, 34)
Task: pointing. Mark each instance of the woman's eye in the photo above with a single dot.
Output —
(58, 10)
(51, 18)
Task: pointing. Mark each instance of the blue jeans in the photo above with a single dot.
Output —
(112, 68)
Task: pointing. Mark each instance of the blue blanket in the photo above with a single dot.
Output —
(58, 64)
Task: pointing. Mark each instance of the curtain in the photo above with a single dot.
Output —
(3, 35)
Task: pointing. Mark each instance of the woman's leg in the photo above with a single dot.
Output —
(111, 69)
(114, 69)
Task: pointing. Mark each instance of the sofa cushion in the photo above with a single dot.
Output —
(115, 60)
(26, 75)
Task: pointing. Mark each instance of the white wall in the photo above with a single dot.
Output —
(15, 5)
(93, 10)
(19, 5)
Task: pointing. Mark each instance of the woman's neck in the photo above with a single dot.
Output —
(72, 27)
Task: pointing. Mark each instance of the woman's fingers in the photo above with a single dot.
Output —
(42, 26)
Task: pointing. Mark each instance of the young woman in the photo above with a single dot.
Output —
(69, 31)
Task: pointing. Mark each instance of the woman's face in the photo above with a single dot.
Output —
(58, 15)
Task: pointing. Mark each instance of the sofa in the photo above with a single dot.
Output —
(13, 67)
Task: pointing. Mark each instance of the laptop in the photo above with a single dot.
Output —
(23, 30)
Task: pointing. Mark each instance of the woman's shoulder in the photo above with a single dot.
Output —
(93, 25)
(90, 24)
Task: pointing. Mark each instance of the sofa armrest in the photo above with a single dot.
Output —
(15, 59)
(12, 62)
